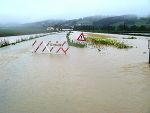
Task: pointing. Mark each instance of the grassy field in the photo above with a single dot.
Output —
(14, 31)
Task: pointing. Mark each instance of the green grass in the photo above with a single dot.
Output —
(21, 30)
(74, 44)
(108, 42)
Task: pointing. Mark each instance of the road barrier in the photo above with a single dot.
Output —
(54, 47)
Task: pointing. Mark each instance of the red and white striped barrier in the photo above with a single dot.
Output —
(50, 47)
(64, 50)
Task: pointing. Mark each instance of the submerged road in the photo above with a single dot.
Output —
(83, 81)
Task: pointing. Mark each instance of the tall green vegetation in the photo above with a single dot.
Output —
(107, 41)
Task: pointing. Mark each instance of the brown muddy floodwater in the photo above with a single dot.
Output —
(83, 81)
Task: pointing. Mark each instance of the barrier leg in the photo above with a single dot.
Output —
(51, 49)
(45, 47)
(58, 50)
(63, 43)
(34, 43)
(38, 47)
(66, 49)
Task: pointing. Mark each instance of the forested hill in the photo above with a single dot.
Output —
(110, 24)
(125, 23)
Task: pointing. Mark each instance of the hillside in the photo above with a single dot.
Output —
(116, 20)
(130, 23)
(118, 24)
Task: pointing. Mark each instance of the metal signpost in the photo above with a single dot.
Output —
(149, 49)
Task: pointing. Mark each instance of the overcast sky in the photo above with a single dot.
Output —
(36, 10)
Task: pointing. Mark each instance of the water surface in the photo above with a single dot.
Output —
(83, 81)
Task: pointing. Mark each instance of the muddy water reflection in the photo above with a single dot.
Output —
(84, 81)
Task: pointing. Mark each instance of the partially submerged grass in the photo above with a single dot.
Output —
(73, 43)
(76, 44)
(107, 41)
(5, 42)
(98, 39)
(130, 37)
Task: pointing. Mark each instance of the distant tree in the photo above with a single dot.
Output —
(133, 28)
(142, 28)
(120, 27)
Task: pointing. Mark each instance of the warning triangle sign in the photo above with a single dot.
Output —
(81, 37)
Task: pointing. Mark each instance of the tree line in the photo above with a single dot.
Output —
(114, 29)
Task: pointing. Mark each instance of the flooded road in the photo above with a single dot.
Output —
(83, 81)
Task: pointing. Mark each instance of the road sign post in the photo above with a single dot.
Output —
(149, 49)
